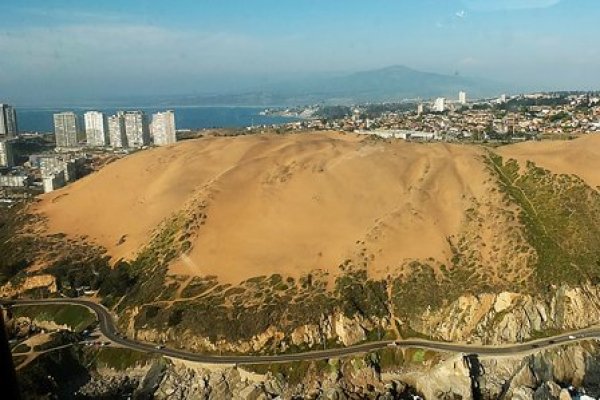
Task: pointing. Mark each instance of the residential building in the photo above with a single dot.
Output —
(7, 157)
(439, 105)
(68, 164)
(462, 97)
(14, 180)
(66, 129)
(163, 129)
(53, 181)
(136, 129)
(116, 130)
(96, 129)
(420, 109)
(8, 121)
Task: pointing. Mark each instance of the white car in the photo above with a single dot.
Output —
(571, 337)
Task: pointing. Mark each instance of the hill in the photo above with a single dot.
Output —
(280, 204)
(392, 83)
(269, 243)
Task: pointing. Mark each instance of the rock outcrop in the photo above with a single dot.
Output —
(43, 281)
(511, 317)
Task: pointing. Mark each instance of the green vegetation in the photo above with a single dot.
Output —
(120, 359)
(418, 356)
(21, 348)
(57, 339)
(15, 250)
(293, 372)
(77, 318)
(561, 218)
(358, 294)
(390, 358)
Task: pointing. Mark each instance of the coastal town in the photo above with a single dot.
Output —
(505, 118)
(35, 163)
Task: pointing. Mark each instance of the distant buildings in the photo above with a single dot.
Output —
(116, 130)
(439, 105)
(420, 109)
(15, 180)
(136, 129)
(8, 122)
(462, 97)
(7, 158)
(59, 169)
(66, 129)
(163, 129)
(96, 129)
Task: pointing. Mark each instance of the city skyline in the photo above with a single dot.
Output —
(69, 51)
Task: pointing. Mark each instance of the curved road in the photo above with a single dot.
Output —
(108, 328)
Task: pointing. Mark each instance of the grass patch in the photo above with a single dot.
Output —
(77, 318)
(294, 372)
(21, 348)
(561, 218)
(122, 359)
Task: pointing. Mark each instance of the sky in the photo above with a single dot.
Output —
(74, 50)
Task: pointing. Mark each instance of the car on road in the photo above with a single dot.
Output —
(571, 337)
(159, 346)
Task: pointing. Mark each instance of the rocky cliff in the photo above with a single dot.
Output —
(560, 373)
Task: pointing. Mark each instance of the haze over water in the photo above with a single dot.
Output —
(41, 119)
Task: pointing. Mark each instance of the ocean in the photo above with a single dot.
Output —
(41, 119)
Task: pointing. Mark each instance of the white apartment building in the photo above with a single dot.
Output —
(8, 121)
(136, 129)
(116, 130)
(96, 129)
(14, 180)
(66, 128)
(462, 97)
(439, 105)
(7, 157)
(53, 181)
(163, 129)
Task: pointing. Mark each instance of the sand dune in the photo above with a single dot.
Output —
(282, 203)
(580, 156)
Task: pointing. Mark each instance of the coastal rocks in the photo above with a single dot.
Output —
(511, 317)
(183, 381)
(448, 379)
(43, 281)
(349, 331)
(538, 375)
(547, 391)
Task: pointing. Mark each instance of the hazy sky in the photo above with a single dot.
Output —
(60, 50)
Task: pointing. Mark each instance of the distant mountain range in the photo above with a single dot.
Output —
(393, 83)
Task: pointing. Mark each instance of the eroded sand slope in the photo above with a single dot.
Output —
(293, 203)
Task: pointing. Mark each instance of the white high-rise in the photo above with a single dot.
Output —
(116, 130)
(96, 129)
(462, 97)
(136, 129)
(6, 154)
(66, 128)
(8, 121)
(163, 129)
(439, 105)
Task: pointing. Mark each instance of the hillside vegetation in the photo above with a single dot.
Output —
(229, 238)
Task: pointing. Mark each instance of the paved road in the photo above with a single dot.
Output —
(108, 328)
